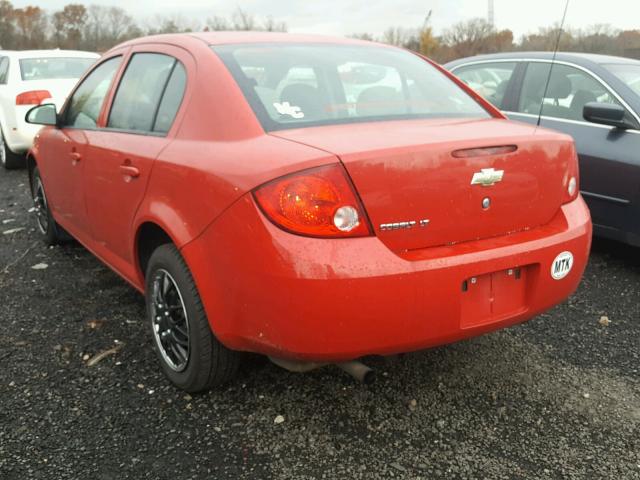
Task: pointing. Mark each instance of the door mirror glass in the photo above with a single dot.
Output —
(43, 115)
(606, 114)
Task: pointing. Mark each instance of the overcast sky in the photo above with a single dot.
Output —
(342, 17)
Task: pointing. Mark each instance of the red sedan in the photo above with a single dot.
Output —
(311, 199)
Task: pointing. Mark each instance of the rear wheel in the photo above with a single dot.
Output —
(190, 355)
(52, 233)
(8, 159)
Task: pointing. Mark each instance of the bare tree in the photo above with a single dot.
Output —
(69, 25)
(7, 28)
(31, 27)
(217, 23)
(397, 36)
(241, 20)
(272, 25)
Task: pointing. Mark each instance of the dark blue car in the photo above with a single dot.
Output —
(593, 98)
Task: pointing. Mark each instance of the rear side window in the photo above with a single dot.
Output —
(138, 99)
(488, 79)
(171, 100)
(86, 102)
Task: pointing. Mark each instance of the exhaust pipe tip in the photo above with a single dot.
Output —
(359, 371)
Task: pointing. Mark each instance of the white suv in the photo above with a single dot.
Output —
(29, 78)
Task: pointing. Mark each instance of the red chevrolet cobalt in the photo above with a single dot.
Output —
(311, 199)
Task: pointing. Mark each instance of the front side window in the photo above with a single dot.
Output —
(51, 68)
(488, 79)
(4, 70)
(300, 85)
(628, 73)
(136, 103)
(569, 90)
(86, 103)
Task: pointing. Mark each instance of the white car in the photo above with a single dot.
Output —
(29, 78)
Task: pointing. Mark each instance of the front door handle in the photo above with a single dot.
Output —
(75, 157)
(129, 171)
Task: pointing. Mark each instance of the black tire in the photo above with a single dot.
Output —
(8, 159)
(208, 363)
(52, 233)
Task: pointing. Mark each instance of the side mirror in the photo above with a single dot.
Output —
(607, 114)
(42, 115)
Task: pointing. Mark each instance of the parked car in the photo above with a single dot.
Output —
(227, 177)
(593, 98)
(29, 78)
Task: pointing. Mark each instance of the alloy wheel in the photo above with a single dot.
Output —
(169, 321)
(41, 206)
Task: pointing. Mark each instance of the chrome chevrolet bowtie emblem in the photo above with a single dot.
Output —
(487, 177)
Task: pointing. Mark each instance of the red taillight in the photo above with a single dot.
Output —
(319, 202)
(34, 97)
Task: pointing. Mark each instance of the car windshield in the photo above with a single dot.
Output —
(300, 85)
(51, 68)
(628, 73)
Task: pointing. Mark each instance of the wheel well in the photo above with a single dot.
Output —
(150, 237)
(31, 165)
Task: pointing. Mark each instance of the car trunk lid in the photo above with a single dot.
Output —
(418, 193)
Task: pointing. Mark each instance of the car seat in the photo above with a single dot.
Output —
(306, 98)
(580, 99)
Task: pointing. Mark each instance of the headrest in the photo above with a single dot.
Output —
(559, 87)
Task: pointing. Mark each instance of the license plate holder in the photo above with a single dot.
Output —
(490, 297)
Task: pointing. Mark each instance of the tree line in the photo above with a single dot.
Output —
(98, 28)
(477, 36)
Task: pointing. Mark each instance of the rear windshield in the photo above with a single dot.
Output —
(299, 85)
(53, 68)
(629, 74)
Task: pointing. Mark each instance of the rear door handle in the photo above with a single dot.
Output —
(75, 157)
(129, 171)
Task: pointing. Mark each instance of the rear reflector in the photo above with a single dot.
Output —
(484, 151)
(34, 97)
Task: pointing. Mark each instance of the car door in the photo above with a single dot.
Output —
(608, 167)
(121, 154)
(65, 147)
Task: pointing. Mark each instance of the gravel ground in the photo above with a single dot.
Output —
(558, 397)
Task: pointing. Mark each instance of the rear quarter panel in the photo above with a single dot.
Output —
(219, 152)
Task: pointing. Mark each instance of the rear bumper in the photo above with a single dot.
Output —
(288, 296)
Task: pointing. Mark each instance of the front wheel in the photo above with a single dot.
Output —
(190, 355)
(52, 233)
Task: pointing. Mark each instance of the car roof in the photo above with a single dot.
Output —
(578, 58)
(52, 53)
(238, 37)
